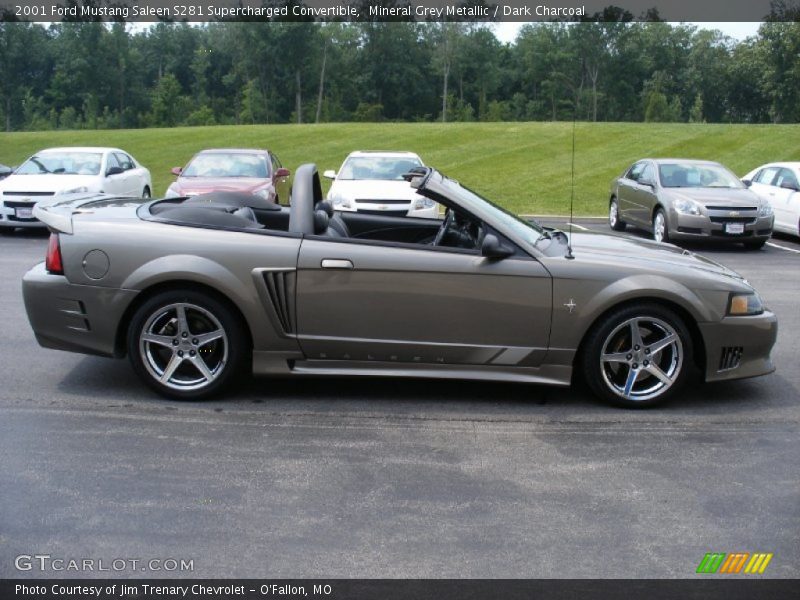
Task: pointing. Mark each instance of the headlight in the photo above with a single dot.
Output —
(423, 203)
(262, 193)
(766, 210)
(685, 206)
(77, 190)
(745, 304)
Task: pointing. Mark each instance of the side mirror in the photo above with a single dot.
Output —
(176, 171)
(329, 174)
(282, 172)
(788, 185)
(114, 171)
(747, 182)
(494, 248)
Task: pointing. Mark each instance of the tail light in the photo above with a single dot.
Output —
(52, 261)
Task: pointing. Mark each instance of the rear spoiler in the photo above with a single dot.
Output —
(58, 216)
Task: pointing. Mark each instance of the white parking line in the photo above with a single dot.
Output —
(783, 248)
(581, 227)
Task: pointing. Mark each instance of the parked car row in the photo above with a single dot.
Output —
(696, 200)
(368, 182)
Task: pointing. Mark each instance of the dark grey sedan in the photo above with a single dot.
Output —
(198, 290)
(691, 200)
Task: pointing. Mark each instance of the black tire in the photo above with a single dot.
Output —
(146, 193)
(755, 244)
(7, 230)
(224, 357)
(614, 220)
(609, 379)
(665, 233)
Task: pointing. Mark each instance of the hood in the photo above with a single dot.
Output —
(48, 182)
(373, 189)
(645, 251)
(727, 197)
(184, 186)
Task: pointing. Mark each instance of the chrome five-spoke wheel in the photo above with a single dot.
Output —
(637, 356)
(641, 358)
(185, 344)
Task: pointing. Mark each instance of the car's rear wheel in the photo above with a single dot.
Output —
(186, 344)
(660, 227)
(637, 356)
(614, 221)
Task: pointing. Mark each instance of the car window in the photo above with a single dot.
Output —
(635, 171)
(62, 163)
(785, 176)
(648, 174)
(124, 160)
(701, 175)
(377, 168)
(276, 164)
(227, 164)
(766, 176)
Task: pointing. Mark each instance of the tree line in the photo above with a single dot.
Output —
(75, 75)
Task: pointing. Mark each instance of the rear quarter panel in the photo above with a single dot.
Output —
(142, 254)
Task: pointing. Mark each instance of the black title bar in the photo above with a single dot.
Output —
(393, 10)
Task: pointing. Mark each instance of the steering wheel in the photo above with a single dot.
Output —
(447, 224)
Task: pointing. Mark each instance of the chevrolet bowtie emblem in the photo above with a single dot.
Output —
(570, 305)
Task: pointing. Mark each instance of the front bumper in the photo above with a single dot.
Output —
(739, 347)
(714, 227)
(9, 211)
(75, 318)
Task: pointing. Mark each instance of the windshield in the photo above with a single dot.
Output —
(530, 231)
(675, 175)
(227, 164)
(62, 163)
(373, 167)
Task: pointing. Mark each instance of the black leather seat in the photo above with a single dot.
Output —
(336, 226)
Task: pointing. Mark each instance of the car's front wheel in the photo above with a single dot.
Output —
(637, 356)
(660, 227)
(614, 221)
(186, 344)
(146, 193)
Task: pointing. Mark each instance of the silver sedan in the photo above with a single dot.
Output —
(690, 200)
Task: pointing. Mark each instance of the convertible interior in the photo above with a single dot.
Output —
(309, 214)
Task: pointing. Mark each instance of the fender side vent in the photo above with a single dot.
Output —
(281, 288)
(730, 358)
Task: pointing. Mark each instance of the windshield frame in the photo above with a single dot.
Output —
(450, 192)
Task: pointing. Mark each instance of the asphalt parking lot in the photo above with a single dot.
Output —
(386, 478)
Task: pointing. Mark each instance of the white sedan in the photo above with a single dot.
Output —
(51, 174)
(371, 182)
(779, 184)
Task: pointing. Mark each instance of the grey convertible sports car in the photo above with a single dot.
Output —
(198, 290)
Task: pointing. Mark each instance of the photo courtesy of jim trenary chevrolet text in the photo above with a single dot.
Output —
(383, 299)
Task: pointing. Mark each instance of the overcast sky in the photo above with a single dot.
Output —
(507, 32)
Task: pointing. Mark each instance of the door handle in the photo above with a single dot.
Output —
(336, 263)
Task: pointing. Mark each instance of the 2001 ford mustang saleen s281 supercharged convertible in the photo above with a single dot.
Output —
(197, 290)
